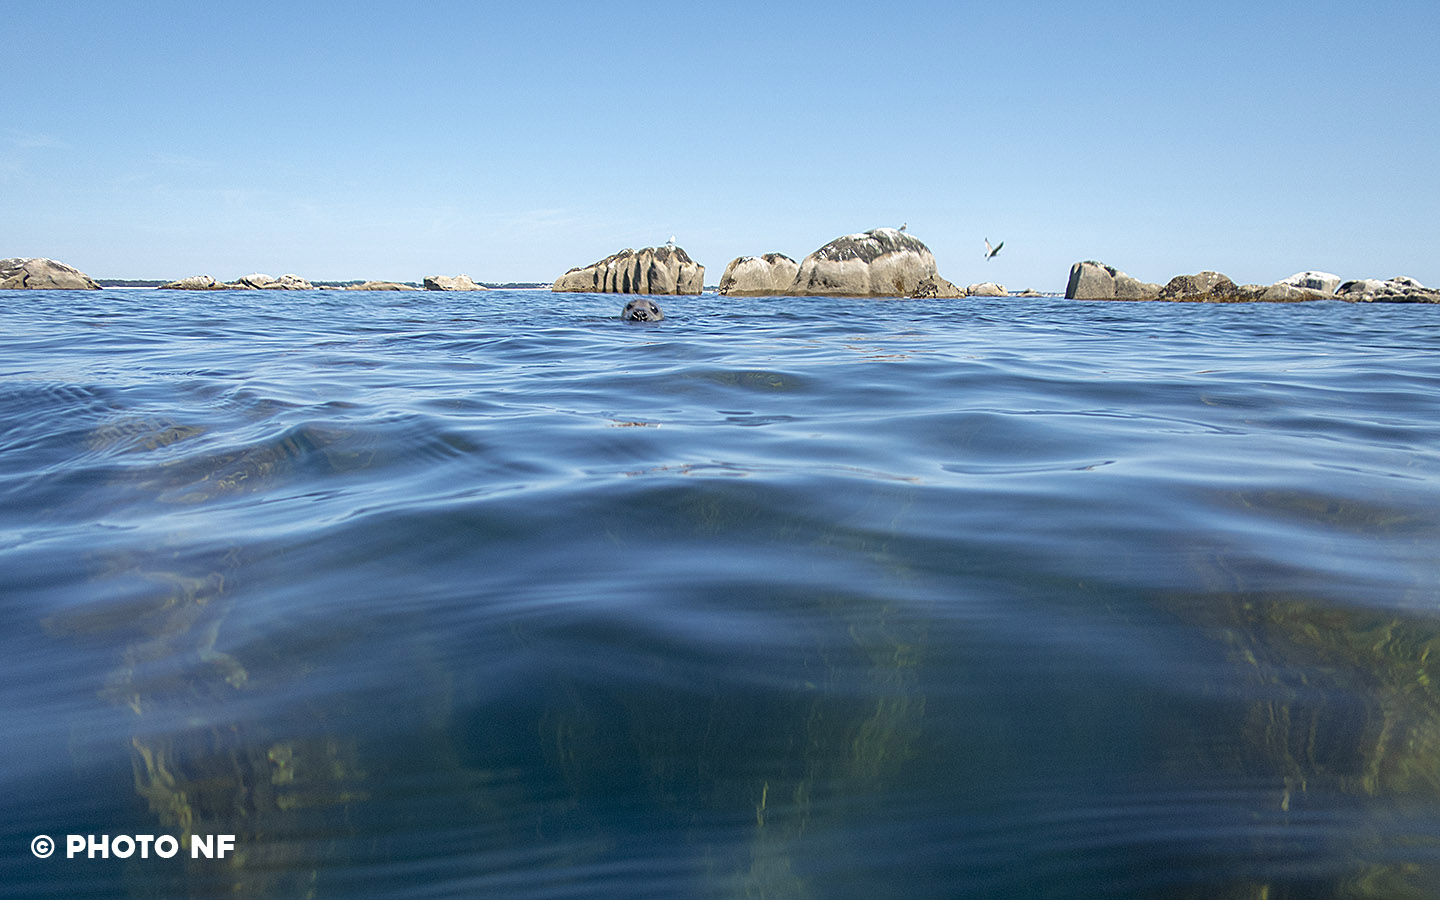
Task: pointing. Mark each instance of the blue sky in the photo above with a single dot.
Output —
(511, 141)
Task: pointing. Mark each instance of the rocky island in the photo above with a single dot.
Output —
(652, 270)
(1092, 280)
(881, 262)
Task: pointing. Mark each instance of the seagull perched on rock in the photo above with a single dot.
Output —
(991, 251)
(902, 225)
(671, 243)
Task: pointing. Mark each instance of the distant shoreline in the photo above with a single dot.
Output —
(160, 282)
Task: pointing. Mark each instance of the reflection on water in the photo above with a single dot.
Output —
(1063, 600)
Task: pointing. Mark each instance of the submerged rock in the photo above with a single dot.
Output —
(39, 273)
(769, 275)
(651, 270)
(451, 283)
(1092, 280)
(882, 262)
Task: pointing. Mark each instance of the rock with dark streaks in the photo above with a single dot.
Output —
(882, 262)
(651, 270)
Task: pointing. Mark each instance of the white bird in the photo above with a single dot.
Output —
(991, 251)
(671, 243)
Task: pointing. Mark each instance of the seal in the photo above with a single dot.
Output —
(642, 309)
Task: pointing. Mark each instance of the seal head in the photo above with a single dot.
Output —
(642, 309)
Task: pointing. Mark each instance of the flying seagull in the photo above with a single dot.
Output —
(991, 251)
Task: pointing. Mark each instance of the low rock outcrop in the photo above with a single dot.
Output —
(1092, 280)
(262, 282)
(451, 283)
(651, 270)
(1393, 290)
(882, 262)
(1323, 282)
(195, 283)
(986, 289)
(1281, 292)
(937, 288)
(769, 275)
(1202, 285)
(379, 286)
(39, 273)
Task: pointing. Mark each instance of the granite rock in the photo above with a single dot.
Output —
(1092, 280)
(937, 288)
(1284, 292)
(262, 282)
(195, 283)
(759, 276)
(1203, 285)
(451, 283)
(882, 262)
(986, 289)
(1315, 281)
(39, 273)
(651, 270)
(1401, 289)
(379, 286)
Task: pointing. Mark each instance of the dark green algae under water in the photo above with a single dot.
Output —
(430, 596)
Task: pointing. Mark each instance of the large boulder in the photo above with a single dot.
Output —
(1092, 280)
(262, 282)
(451, 283)
(1394, 290)
(1314, 281)
(42, 274)
(882, 262)
(759, 276)
(651, 270)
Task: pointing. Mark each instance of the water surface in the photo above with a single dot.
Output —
(429, 595)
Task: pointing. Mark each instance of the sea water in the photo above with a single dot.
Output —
(424, 595)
